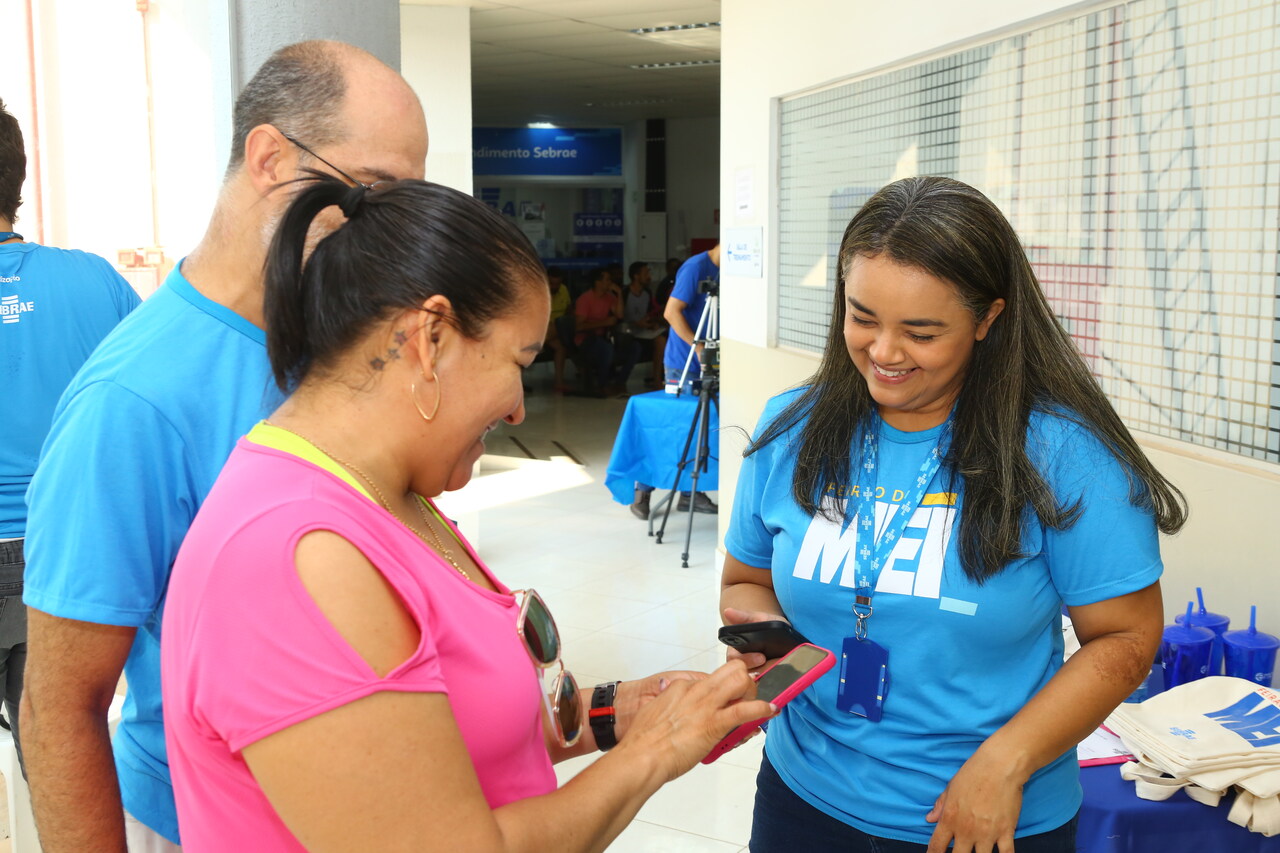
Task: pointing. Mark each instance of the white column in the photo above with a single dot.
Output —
(261, 28)
(435, 57)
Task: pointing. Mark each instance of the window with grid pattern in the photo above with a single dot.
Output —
(1135, 149)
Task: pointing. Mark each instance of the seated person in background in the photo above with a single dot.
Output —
(641, 323)
(560, 301)
(381, 683)
(615, 274)
(596, 312)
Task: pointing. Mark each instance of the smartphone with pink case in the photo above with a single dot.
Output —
(779, 684)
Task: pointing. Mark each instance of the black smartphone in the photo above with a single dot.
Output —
(773, 639)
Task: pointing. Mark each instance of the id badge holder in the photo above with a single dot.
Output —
(864, 678)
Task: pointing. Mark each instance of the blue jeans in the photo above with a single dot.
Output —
(784, 823)
(13, 634)
(597, 353)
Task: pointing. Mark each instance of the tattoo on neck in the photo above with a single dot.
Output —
(393, 354)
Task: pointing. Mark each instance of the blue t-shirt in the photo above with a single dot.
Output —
(55, 306)
(137, 442)
(691, 272)
(963, 658)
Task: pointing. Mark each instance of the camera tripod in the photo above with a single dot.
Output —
(707, 388)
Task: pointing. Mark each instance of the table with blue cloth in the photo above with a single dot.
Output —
(1113, 819)
(650, 439)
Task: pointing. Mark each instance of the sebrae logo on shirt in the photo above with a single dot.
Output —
(11, 308)
(915, 563)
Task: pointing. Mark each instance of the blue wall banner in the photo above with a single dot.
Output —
(574, 152)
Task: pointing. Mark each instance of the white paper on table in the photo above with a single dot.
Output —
(1102, 747)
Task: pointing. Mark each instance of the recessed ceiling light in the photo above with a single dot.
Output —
(704, 36)
(648, 31)
(693, 63)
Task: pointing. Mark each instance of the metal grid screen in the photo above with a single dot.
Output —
(1137, 152)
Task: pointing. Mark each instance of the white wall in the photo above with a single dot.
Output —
(1229, 545)
(93, 127)
(97, 174)
(194, 91)
(95, 141)
(15, 91)
(435, 57)
(693, 182)
(262, 28)
(773, 49)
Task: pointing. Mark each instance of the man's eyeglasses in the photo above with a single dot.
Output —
(542, 640)
(352, 180)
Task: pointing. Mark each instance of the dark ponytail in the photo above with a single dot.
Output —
(404, 242)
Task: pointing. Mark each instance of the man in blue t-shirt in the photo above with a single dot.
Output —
(684, 312)
(55, 306)
(142, 432)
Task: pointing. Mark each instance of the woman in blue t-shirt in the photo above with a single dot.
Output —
(949, 478)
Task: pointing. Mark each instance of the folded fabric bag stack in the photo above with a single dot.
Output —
(1208, 737)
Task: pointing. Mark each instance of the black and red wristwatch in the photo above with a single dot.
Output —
(602, 715)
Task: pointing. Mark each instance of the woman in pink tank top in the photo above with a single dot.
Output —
(340, 669)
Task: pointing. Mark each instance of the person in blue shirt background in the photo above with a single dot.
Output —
(947, 479)
(142, 432)
(683, 311)
(55, 306)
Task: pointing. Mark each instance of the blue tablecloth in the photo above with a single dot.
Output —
(1114, 820)
(650, 438)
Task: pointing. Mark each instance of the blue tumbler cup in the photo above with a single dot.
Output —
(1251, 654)
(1215, 622)
(1186, 652)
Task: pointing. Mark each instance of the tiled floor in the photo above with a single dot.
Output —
(624, 604)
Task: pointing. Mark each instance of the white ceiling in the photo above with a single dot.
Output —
(568, 61)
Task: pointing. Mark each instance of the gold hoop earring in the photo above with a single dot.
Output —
(413, 395)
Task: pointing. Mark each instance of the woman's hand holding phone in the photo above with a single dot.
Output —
(680, 726)
(755, 661)
(780, 683)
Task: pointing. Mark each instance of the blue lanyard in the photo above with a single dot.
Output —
(873, 553)
(9, 235)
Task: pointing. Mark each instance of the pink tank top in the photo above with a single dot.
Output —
(247, 653)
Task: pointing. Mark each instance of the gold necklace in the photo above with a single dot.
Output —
(435, 541)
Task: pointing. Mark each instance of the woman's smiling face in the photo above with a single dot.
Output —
(911, 338)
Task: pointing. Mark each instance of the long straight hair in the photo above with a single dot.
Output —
(1027, 363)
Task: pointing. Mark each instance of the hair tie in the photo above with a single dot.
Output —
(352, 199)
